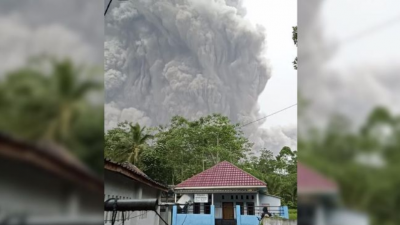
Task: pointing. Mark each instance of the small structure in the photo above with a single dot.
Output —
(45, 184)
(318, 201)
(126, 181)
(216, 192)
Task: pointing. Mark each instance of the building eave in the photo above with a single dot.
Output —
(117, 168)
(220, 187)
(45, 158)
(317, 191)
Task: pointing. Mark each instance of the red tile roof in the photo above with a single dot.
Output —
(224, 174)
(309, 181)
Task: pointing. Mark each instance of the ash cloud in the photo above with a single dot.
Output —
(56, 28)
(185, 57)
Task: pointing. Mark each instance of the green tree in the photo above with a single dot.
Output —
(294, 38)
(191, 146)
(279, 172)
(364, 162)
(48, 101)
(43, 105)
(126, 142)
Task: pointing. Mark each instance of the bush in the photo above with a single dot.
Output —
(293, 214)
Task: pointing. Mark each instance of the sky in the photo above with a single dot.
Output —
(62, 28)
(359, 75)
(278, 17)
(357, 16)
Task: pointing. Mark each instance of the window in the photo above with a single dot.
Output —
(252, 197)
(223, 197)
(232, 197)
(247, 197)
(250, 208)
(236, 197)
(241, 197)
(196, 209)
(207, 208)
(241, 207)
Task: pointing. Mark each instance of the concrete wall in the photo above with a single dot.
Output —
(38, 193)
(265, 200)
(193, 219)
(253, 220)
(269, 200)
(228, 198)
(121, 187)
(279, 222)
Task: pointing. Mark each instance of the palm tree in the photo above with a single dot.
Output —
(44, 104)
(139, 138)
(70, 90)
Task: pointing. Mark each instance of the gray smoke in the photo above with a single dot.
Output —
(188, 58)
(57, 28)
(352, 90)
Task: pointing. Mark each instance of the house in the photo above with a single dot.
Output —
(126, 181)
(45, 184)
(318, 199)
(223, 194)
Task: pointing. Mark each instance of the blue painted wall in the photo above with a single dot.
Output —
(193, 219)
(285, 211)
(245, 219)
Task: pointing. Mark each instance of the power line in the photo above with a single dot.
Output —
(108, 6)
(270, 115)
(370, 30)
(359, 35)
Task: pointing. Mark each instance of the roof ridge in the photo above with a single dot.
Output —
(222, 165)
(199, 173)
(247, 172)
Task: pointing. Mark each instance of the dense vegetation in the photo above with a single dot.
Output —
(364, 162)
(183, 148)
(48, 101)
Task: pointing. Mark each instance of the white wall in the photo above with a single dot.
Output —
(228, 198)
(243, 197)
(119, 186)
(38, 193)
(269, 200)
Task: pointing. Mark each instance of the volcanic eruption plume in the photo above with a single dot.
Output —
(182, 57)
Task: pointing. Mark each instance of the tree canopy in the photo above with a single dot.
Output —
(185, 147)
(364, 162)
(48, 100)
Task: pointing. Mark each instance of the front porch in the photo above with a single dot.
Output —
(210, 216)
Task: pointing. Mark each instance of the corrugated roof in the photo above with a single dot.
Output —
(118, 167)
(50, 157)
(310, 181)
(224, 174)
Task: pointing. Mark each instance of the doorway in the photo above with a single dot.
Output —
(227, 211)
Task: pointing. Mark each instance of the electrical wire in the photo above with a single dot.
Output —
(269, 115)
(108, 6)
(160, 217)
(370, 30)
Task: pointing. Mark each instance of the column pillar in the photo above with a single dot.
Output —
(257, 209)
(238, 215)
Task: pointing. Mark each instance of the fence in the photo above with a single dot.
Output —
(281, 211)
(185, 218)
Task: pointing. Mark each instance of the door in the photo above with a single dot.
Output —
(227, 211)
